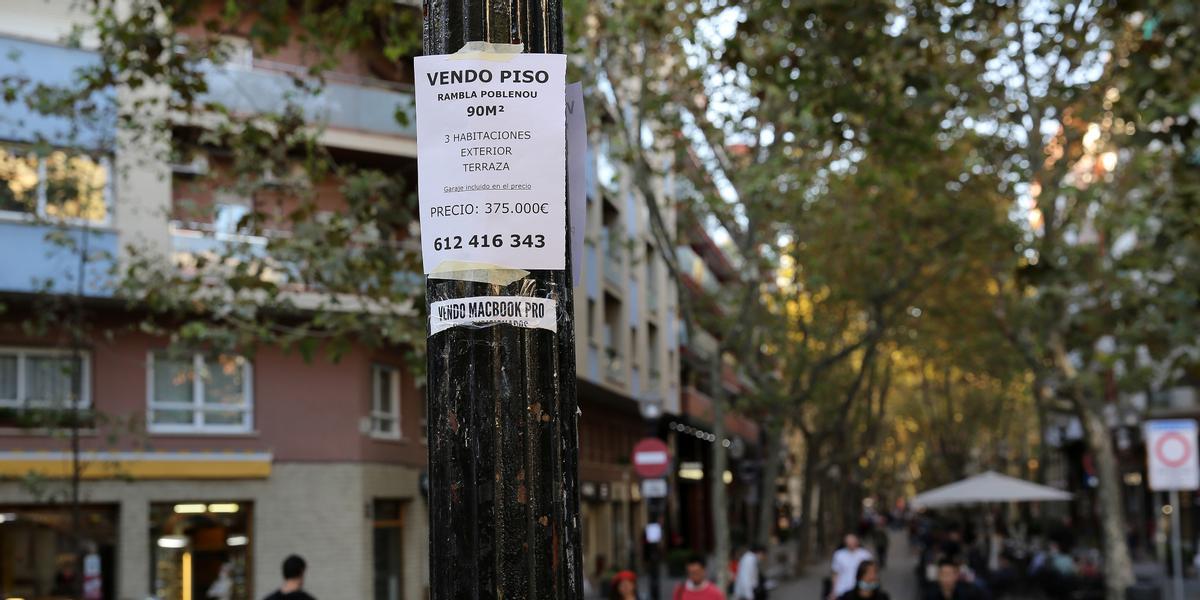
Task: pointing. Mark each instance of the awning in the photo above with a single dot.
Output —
(138, 465)
(989, 488)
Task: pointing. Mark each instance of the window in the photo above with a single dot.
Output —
(32, 378)
(199, 393)
(388, 549)
(61, 184)
(653, 350)
(591, 320)
(651, 279)
(385, 402)
(612, 343)
(36, 538)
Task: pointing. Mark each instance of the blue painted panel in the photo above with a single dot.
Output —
(633, 301)
(591, 272)
(339, 105)
(631, 224)
(55, 66)
(594, 365)
(45, 258)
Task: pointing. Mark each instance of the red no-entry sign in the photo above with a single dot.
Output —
(1171, 455)
(651, 458)
(1173, 449)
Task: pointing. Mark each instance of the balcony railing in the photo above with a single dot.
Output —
(344, 102)
(42, 257)
(694, 267)
(651, 296)
(611, 246)
(54, 66)
(614, 366)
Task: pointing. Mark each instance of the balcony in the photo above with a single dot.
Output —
(651, 295)
(593, 363)
(346, 102)
(54, 66)
(614, 368)
(192, 239)
(41, 257)
(653, 389)
(611, 246)
(697, 270)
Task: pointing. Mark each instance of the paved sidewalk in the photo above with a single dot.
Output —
(899, 580)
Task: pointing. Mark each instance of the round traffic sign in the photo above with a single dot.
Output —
(1173, 449)
(651, 458)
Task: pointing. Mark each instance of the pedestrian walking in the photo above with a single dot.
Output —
(950, 585)
(748, 584)
(881, 539)
(845, 563)
(697, 585)
(624, 586)
(293, 581)
(866, 585)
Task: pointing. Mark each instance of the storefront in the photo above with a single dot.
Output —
(37, 552)
(201, 550)
(613, 518)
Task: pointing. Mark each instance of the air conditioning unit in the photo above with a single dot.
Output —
(197, 166)
(1182, 398)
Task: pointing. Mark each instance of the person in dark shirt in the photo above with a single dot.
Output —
(949, 586)
(293, 581)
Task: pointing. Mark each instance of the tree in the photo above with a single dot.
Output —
(324, 274)
(296, 274)
(1100, 298)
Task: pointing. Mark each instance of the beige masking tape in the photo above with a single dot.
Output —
(462, 270)
(487, 51)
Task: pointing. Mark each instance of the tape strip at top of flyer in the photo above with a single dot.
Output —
(502, 212)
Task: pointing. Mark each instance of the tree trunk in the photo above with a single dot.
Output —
(1039, 401)
(823, 513)
(720, 506)
(807, 518)
(770, 473)
(1118, 566)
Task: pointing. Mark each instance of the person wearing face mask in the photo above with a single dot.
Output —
(866, 586)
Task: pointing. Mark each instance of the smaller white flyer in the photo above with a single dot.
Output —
(576, 173)
(483, 311)
(491, 161)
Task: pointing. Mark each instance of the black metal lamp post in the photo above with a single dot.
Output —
(503, 438)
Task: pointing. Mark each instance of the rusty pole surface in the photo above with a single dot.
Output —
(503, 414)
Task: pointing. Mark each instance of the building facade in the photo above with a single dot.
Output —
(626, 315)
(200, 467)
(706, 269)
(194, 467)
